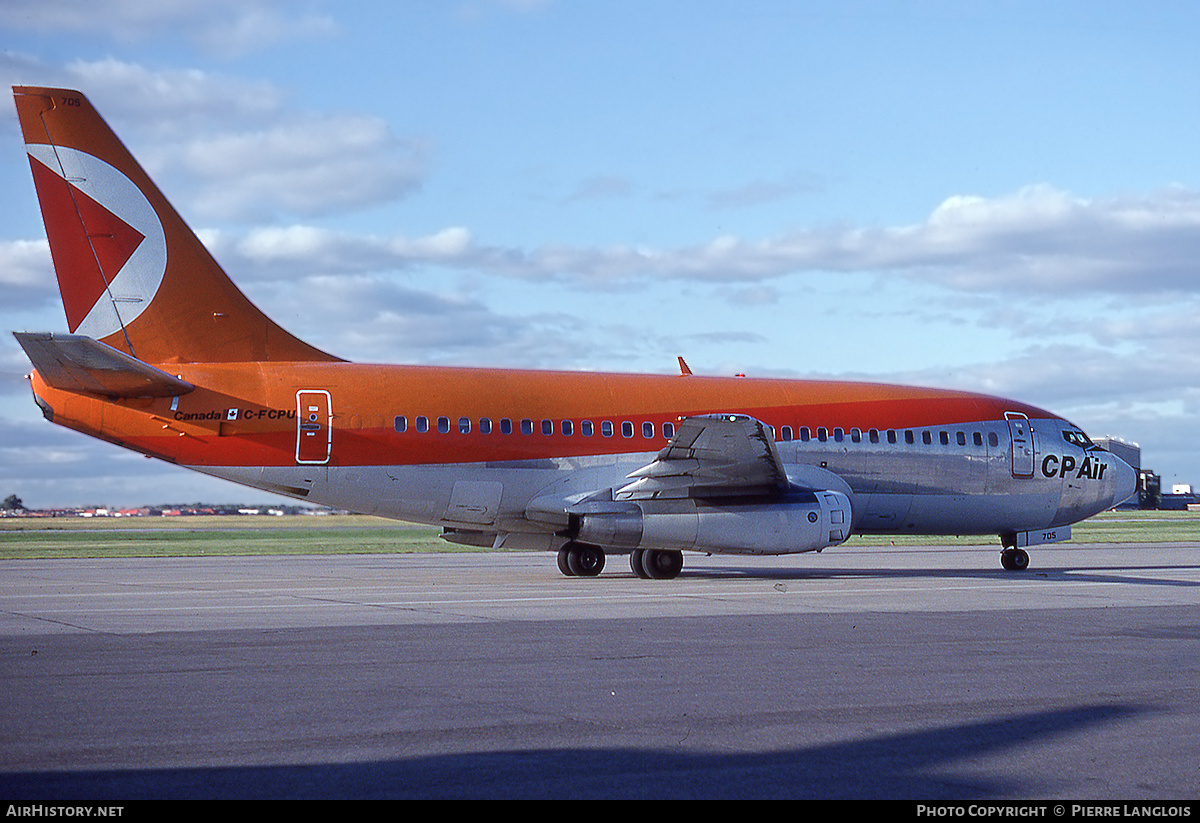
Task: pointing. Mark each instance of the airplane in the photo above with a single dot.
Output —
(167, 357)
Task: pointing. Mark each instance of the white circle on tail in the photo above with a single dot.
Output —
(133, 287)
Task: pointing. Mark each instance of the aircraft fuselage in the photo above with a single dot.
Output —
(469, 449)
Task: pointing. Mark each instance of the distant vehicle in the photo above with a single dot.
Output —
(167, 357)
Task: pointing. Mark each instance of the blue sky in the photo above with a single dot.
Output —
(1000, 197)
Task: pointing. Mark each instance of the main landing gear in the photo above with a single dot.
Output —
(583, 560)
(580, 560)
(656, 564)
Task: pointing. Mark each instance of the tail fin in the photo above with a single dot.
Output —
(130, 271)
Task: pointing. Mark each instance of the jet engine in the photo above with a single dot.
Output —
(797, 522)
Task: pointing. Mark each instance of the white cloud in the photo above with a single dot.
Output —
(219, 27)
(298, 251)
(1035, 241)
(308, 165)
(24, 265)
(228, 149)
(26, 274)
(170, 103)
(378, 319)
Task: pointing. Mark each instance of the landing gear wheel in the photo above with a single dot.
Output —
(635, 563)
(1015, 560)
(662, 564)
(580, 560)
(563, 565)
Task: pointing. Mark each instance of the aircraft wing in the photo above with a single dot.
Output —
(76, 363)
(719, 455)
(711, 456)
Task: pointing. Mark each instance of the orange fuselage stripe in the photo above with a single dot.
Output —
(244, 414)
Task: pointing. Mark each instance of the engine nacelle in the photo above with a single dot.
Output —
(800, 522)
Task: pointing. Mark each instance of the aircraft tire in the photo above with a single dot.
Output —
(635, 563)
(1014, 560)
(563, 565)
(584, 560)
(662, 564)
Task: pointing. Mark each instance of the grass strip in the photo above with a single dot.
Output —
(76, 537)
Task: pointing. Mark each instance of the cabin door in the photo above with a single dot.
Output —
(314, 426)
(1021, 435)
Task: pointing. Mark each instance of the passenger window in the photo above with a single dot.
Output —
(443, 424)
(668, 430)
(464, 425)
(485, 425)
(873, 435)
(526, 426)
(822, 434)
(606, 428)
(505, 425)
(547, 427)
(647, 430)
(978, 438)
(586, 428)
(422, 423)
(891, 435)
(626, 428)
(401, 423)
(786, 433)
(855, 436)
(962, 438)
(944, 437)
(908, 437)
(838, 434)
(926, 438)
(805, 435)
(993, 440)
(568, 428)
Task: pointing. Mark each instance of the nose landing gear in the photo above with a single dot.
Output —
(1014, 559)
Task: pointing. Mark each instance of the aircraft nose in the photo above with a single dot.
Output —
(1124, 480)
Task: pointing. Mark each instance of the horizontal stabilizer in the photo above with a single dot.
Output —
(74, 362)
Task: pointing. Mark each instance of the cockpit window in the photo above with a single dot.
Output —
(1077, 438)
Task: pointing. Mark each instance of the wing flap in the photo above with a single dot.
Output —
(76, 363)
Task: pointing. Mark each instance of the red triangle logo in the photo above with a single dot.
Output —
(89, 244)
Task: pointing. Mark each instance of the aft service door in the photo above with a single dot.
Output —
(1022, 444)
(314, 426)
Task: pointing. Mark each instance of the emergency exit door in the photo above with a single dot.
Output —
(314, 426)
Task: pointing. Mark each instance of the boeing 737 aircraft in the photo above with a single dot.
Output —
(167, 357)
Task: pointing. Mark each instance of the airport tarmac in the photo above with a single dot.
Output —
(907, 672)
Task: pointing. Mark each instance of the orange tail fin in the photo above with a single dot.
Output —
(130, 271)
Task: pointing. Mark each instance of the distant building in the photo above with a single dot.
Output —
(1149, 494)
(1181, 498)
(1131, 453)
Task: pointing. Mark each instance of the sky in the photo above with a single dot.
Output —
(993, 196)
